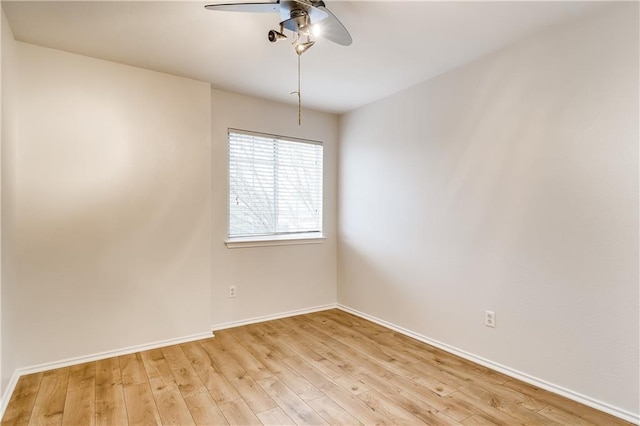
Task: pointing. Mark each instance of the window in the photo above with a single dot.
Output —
(275, 188)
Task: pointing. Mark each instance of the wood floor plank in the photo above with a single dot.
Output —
(421, 374)
(558, 402)
(204, 410)
(489, 397)
(487, 411)
(325, 367)
(221, 390)
(478, 420)
(244, 384)
(432, 368)
(340, 369)
(243, 357)
(353, 337)
(385, 364)
(80, 408)
(386, 337)
(485, 375)
(416, 405)
(417, 387)
(154, 364)
(82, 376)
(426, 411)
(52, 394)
(298, 348)
(309, 372)
(352, 384)
(340, 397)
(356, 407)
(141, 407)
(238, 413)
(382, 404)
(331, 412)
(334, 349)
(252, 336)
(348, 361)
(275, 417)
(186, 377)
(81, 396)
(166, 392)
(276, 365)
(293, 406)
(297, 383)
(22, 401)
(110, 405)
(132, 369)
(560, 416)
(516, 397)
(170, 403)
(271, 360)
(302, 333)
(390, 371)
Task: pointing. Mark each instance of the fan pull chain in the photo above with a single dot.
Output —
(299, 97)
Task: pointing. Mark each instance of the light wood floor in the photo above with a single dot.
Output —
(322, 368)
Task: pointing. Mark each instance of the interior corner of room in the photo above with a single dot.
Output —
(506, 184)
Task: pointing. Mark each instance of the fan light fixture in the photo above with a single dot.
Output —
(301, 24)
(303, 47)
(304, 18)
(276, 35)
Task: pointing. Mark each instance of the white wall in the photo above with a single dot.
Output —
(270, 280)
(8, 147)
(3, 31)
(113, 207)
(510, 184)
(109, 235)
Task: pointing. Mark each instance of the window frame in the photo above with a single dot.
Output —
(274, 239)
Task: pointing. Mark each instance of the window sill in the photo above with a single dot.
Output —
(275, 240)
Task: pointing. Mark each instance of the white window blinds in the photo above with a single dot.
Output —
(275, 185)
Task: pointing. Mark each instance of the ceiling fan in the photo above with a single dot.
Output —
(305, 18)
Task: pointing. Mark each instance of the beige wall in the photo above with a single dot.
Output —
(113, 207)
(111, 241)
(510, 184)
(8, 284)
(270, 280)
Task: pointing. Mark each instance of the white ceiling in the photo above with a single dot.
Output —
(396, 43)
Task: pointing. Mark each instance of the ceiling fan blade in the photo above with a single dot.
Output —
(290, 24)
(332, 29)
(246, 7)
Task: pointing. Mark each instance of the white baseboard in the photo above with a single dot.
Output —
(89, 358)
(575, 396)
(255, 320)
(6, 396)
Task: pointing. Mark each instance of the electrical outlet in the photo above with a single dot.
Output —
(490, 319)
(232, 291)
